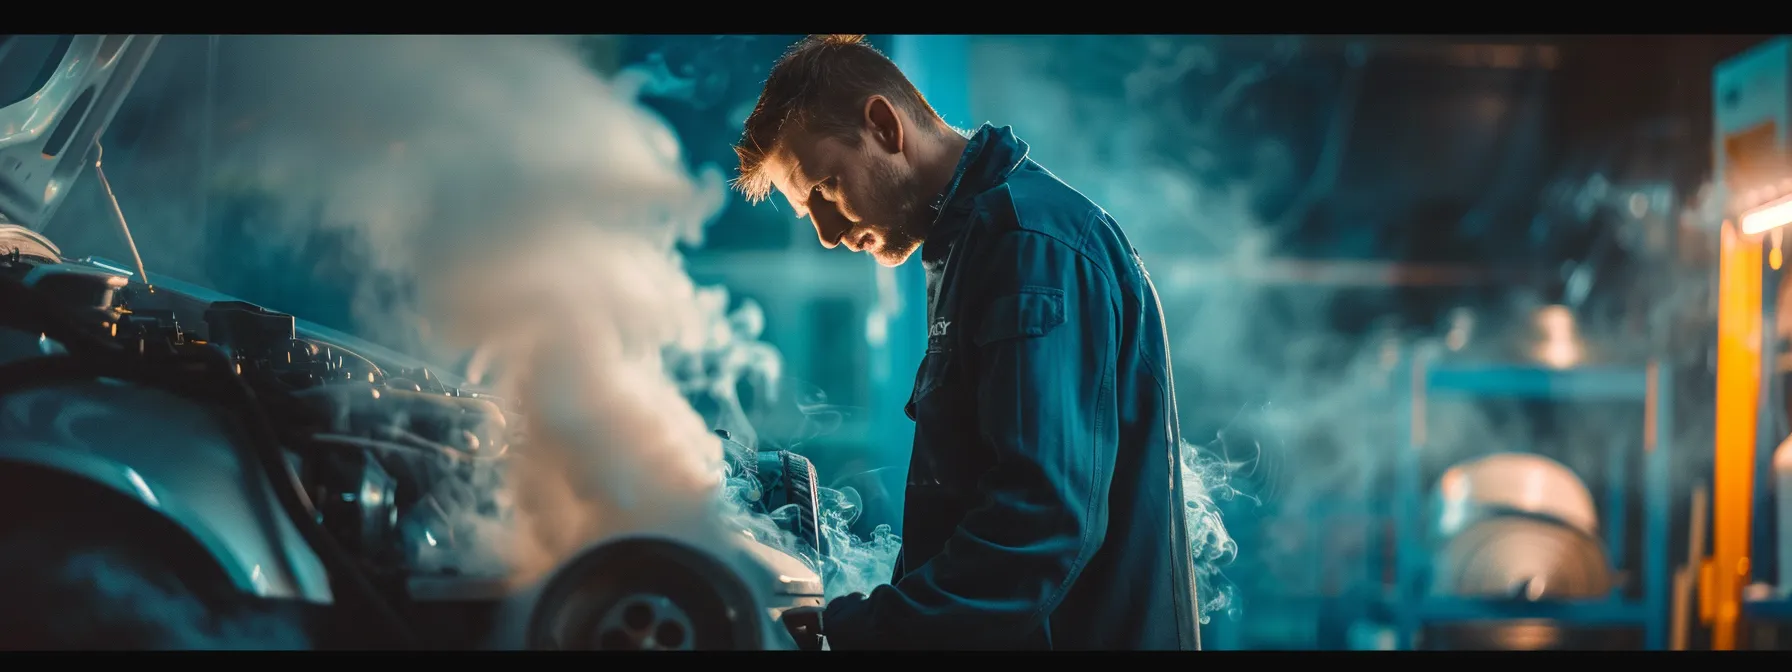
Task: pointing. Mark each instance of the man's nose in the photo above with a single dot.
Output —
(830, 226)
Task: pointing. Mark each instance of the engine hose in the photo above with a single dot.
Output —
(39, 371)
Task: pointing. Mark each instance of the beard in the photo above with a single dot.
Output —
(897, 199)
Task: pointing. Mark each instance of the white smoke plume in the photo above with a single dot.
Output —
(537, 209)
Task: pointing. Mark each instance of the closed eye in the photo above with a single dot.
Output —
(827, 189)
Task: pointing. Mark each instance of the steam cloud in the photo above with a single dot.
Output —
(1307, 393)
(1150, 127)
(1097, 144)
(537, 210)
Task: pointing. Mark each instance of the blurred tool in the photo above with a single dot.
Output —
(1687, 577)
(1558, 344)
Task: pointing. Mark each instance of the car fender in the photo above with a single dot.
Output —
(180, 458)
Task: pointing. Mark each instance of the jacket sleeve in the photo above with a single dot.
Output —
(1044, 364)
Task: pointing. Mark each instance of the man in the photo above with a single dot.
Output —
(1044, 506)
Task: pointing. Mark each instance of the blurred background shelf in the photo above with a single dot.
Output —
(1778, 610)
(1590, 613)
(1525, 494)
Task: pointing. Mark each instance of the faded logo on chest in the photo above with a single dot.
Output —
(938, 334)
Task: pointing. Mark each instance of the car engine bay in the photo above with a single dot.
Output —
(378, 465)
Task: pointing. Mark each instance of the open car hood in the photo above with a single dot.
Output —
(57, 95)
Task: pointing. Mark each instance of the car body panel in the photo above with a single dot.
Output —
(178, 458)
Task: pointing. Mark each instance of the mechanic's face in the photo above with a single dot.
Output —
(868, 198)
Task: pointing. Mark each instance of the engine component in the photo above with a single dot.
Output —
(248, 329)
(783, 485)
(788, 483)
(85, 299)
(463, 426)
(417, 380)
(266, 345)
(78, 287)
(645, 593)
(357, 500)
(18, 244)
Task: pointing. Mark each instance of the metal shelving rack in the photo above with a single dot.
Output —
(1413, 607)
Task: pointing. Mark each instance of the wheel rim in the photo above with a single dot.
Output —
(645, 622)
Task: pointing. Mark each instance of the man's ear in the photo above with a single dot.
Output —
(883, 124)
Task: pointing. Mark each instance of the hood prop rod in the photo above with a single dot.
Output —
(117, 212)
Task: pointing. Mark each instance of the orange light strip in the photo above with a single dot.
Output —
(1738, 396)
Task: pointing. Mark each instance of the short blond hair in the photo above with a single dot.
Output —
(820, 85)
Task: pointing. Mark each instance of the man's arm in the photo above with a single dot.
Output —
(1046, 339)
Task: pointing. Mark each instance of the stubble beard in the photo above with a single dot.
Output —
(901, 199)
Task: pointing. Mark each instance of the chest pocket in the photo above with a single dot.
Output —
(1031, 312)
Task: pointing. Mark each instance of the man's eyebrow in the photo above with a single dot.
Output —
(794, 176)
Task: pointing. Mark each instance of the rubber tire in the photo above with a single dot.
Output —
(719, 606)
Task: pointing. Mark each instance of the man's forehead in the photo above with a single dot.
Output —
(795, 164)
(786, 168)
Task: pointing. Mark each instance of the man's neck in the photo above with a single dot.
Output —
(945, 149)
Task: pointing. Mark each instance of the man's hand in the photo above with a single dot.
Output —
(804, 625)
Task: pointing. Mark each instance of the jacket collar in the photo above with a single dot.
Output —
(991, 155)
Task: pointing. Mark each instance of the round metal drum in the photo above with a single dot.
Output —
(1524, 558)
(1519, 557)
(1513, 482)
